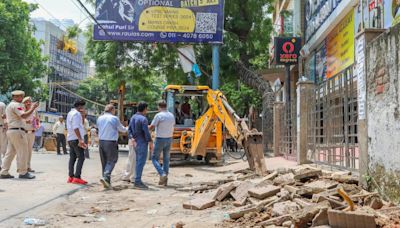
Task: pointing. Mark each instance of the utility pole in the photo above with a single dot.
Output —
(215, 58)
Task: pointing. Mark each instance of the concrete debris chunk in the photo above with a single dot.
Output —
(264, 192)
(307, 214)
(350, 219)
(240, 194)
(303, 202)
(374, 202)
(348, 179)
(322, 184)
(225, 190)
(277, 221)
(199, 203)
(285, 208)
(286, 179)
(321, 218)
(306, 174)
(240, 212)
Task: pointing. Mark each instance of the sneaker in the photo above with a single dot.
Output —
(140, 186)
(6, 176)
(106, 183)
(26, 176)
(163, 180)
(70, 179)
(79, 181)
(31, 170)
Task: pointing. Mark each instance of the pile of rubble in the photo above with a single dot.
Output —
(304, 197)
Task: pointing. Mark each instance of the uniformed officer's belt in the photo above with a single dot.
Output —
(16, 128)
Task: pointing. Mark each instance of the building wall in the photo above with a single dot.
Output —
(383, 116)
(64, 67)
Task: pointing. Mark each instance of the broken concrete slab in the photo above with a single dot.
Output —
(264, 192)
(307, 214)
(277, 221)
(286, 179)
(350, 219)
(303, 202)
(322, 184)
(291, 189)
(199, 203)
(285, 208)
(348, 179)
(271, 176)
(240, 194)
(306, 174)
(240, 212)
(225, 190)
(375, 202)
(321, 218)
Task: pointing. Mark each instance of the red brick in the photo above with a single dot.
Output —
(380, 89)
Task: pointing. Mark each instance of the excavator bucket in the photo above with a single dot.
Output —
(254, 149)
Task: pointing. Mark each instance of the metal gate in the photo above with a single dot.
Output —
(333, 118)
(288, 145)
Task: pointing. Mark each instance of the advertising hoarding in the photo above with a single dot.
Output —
(340, 46)
(191, 21)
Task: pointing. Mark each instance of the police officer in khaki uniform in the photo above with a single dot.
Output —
(3, 129)
(31, 124)
(17, 137)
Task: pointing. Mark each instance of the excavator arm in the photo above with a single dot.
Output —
(220, 111)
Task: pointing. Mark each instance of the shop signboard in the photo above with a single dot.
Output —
(340, 46)
(287, 50)
(191, 21)
(316, 13)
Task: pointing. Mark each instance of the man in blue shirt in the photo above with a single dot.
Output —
(109, 126)
(139, 130)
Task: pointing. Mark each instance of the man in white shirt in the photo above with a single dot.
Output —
(59, 131)
(76, 132)
(163, 123)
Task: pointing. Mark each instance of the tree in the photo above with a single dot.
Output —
(21, 62)
(247, 37)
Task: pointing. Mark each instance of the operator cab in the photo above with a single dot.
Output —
(187, 103)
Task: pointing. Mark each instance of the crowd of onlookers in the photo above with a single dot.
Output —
(21, 132)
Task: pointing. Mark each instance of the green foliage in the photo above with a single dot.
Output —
(21, 62)
(73, 31)
(246, 38)
(241, 97)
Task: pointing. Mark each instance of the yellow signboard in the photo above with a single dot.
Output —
(167, 19)
(340, 46)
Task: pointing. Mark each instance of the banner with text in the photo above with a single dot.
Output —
(340, 46)
(192, 21)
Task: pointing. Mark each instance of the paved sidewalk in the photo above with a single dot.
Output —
(17, 196)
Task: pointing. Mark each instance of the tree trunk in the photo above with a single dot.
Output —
(255, 81)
